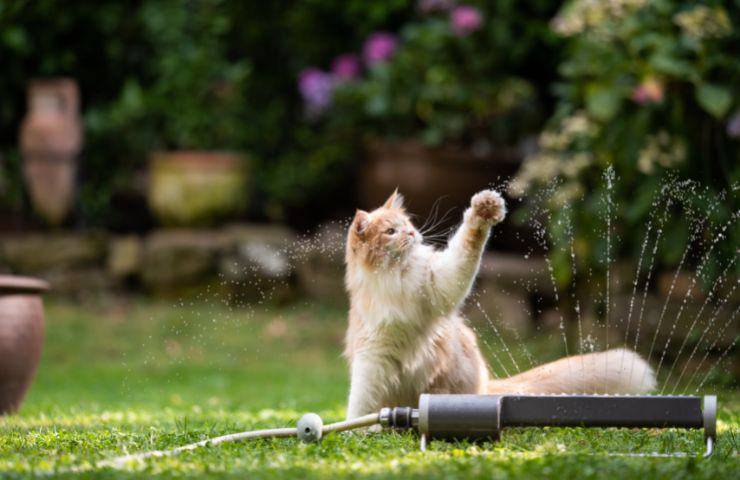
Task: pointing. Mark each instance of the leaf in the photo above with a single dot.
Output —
(602, 101)
(715, 99)
(673, 66)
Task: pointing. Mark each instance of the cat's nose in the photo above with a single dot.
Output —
(411, 233)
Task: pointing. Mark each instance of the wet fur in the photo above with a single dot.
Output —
(406, 335)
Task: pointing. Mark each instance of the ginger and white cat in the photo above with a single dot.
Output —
(406, 335)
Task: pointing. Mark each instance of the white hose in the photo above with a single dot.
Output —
(359, 422)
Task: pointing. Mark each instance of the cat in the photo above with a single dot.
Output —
(406, 335)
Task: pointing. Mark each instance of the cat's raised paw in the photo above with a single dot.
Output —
(489, 206)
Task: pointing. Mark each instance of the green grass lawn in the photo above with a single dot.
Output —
(121, 378)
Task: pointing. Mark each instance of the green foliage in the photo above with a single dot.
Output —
(194, 96)
(649, 89)
(715, 99)
(443, 87)
(97, 45)
(11, 194)
(158, 74)
(214, 74)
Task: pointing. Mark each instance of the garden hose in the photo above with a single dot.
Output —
(310, 428)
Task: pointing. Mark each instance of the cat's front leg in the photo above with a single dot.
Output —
(453, 270)
(365, 387)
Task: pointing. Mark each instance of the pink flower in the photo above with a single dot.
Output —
(346, 67)
(316, 87)
(649, 91)
(465, 20)
(379, 47)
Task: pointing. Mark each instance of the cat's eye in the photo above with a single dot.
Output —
(390, 231)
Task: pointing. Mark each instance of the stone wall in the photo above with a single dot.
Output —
(247, 260)
(270, 263)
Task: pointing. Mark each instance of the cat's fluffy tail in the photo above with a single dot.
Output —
(617, 371)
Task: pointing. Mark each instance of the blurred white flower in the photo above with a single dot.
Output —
(704, 22)
(663, 150)
(566, 194)
(576, 163)
(579, 16)
(558, 155)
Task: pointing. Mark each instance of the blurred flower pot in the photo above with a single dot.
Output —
(21, 337)
(425, 175)
(190, 188)
(50, 140)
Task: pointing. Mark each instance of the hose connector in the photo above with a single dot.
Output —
(400, 418)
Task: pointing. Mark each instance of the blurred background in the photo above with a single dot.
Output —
(212, 151)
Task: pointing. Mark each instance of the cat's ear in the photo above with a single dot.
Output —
(394, 201)
(360, 222)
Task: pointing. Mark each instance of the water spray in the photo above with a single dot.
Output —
(484, 417)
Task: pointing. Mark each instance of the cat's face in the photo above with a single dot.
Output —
(384, 237)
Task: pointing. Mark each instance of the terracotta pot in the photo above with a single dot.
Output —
(21, 337)
(425, 174)
(50, 140)
(188, 188)
(447, 175)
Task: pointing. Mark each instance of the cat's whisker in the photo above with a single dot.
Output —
(439, 222)
(442, 234)
(441, 239)
(439, 236)
(444, 217)
(435, 243)
(433, 212)
(430, 218)
(433, 218)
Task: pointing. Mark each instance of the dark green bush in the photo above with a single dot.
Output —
(214, 74)
(196, 74)
(98, 44)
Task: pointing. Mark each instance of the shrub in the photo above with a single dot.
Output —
(456, 73)
(217, 74)
(192, 94)
(164, 74)
(97, 45)
(650, 89)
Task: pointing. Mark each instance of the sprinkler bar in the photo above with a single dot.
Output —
(485, 416)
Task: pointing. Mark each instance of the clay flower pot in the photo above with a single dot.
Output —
(50, 139)
(191, 188)
(21, 337)
(441, 179)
